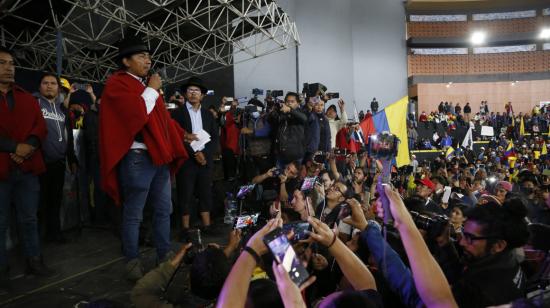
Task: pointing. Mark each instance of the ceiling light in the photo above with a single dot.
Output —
(544, 34)
(478, 38)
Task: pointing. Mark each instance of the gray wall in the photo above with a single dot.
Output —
(379, 51)
(355, 47)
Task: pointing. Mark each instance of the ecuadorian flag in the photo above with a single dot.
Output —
(510, 150)
(393, 118)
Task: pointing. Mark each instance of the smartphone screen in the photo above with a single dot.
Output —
(300, 229)
(244, 221)
(446, 194)
(309, 183)
(284, 254)
(245, 190)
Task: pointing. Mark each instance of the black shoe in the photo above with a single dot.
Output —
(36, 267)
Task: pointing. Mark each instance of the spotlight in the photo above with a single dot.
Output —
(478, 37)
(544, 34)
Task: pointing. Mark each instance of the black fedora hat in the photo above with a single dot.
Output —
(194, 81)
(131, 45)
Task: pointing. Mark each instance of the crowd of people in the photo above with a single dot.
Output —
(506, 123)
(469, 228)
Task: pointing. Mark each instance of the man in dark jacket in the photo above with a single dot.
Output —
(492, 275)
(318, 134)
(22, 131)
(374, 105)
(195, 176)
(467, 111)
(290, 141)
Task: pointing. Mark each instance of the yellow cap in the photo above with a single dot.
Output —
(65, 83)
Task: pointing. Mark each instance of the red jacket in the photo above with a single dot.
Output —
(229, 138)
(121, 117)
(19, 124)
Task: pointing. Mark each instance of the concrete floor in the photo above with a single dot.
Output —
(90, 267)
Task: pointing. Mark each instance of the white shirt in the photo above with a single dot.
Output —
(196, 119)
(150, 96)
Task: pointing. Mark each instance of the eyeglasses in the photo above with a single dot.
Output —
(190, 90)
(469, 238)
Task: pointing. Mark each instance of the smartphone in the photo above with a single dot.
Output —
(245, 221)
(226, 108)
(79, 86)
(301, 229)
(284, 254)
(229, 99)
(245, 190)
(309, 183)
(446, 194)
(210, 92)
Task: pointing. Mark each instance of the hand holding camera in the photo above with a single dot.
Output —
(285, 108)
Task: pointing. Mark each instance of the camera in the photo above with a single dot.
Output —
(433, 225)
(276, 93)
(277, 172)
(257, 91)
(320, 158)
(79, 86)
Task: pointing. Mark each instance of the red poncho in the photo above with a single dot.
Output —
(19, 124)
(229, 138)
(121, 117)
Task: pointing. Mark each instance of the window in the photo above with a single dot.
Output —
(546, 12)
(506, 15)
(503, 49)
(437, 18)
(439, 51)
(546, 46)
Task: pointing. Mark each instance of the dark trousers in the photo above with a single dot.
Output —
(23, 190)
(51, 196)
(229, 164)
(194, 180)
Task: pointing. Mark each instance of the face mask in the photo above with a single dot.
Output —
(255, 114)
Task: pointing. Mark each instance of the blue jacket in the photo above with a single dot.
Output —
(397, 275)
(315, 126)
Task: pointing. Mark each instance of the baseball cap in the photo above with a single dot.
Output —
(426, 182)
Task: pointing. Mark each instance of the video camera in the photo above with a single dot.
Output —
(433, 225)
(257, 91)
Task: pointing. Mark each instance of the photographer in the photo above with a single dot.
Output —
(290, 134)
(205, 276)
(257, 131)
(281, 180)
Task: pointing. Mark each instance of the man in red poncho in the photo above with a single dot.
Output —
(22, 130)
(139, 146)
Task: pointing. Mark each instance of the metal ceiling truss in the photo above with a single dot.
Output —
(186, 37)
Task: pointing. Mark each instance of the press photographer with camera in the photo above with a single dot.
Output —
(290, 123)
(256, 130)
